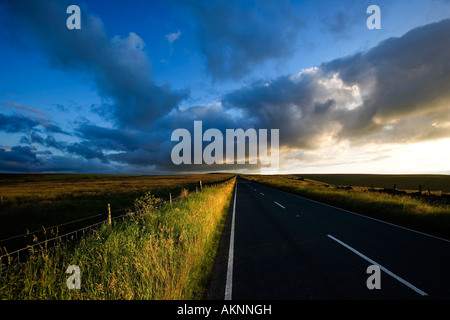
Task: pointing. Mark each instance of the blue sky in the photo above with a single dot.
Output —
(106, 98)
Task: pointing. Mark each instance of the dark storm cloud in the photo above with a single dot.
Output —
(397, 92)
(403, 95)
(28, 159)
(86, 150)
(113, 139)
(212, 116)
(19, 123)
(303, 107)
(51, 142)
(74, 164)
(408, 80)
(139, 157)
(118, 66)
(236, 36)
(36, 138)
(16, 123)
(152, 147)
(53, 128)
(18, 159)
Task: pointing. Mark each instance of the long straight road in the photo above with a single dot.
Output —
(283, 246)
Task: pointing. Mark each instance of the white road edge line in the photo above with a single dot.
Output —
(229, 283)
(279, 205)
(381, 267)
(361, 215)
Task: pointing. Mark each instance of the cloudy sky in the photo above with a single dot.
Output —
(107, 97)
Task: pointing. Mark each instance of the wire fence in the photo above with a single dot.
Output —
(75, 235)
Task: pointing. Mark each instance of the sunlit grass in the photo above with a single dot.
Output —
(435, 183)
(30, 202)
(164, 253)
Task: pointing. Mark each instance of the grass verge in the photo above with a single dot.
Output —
(158, 254)
(34, 202)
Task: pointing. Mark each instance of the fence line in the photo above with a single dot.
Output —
(84, 229)
(70, 222)
(50, 228)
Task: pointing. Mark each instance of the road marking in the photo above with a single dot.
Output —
(261, 193)
(361, 215)
(380, 266)
(279, 205)
(229, 283)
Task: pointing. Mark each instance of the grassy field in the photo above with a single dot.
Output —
(164, 253)
(404, 210)
(435, 183)
(32, 201)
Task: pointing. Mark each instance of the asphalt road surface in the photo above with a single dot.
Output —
(279, 246)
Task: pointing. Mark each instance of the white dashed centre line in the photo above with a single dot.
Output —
(279, 205)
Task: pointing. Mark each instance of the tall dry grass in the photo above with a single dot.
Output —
(164, 253)
(33, 201)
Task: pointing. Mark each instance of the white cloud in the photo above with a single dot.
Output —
(171, 37)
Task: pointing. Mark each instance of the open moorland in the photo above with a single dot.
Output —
(34, 202)
(434, 182)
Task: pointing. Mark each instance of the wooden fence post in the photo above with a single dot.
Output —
(170, 198)
(200, 185)
(420, 189)
(109, 214)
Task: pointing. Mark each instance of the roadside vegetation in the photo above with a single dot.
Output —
(157, 252)
(37, 202)
(436, 183)
(402, 208)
